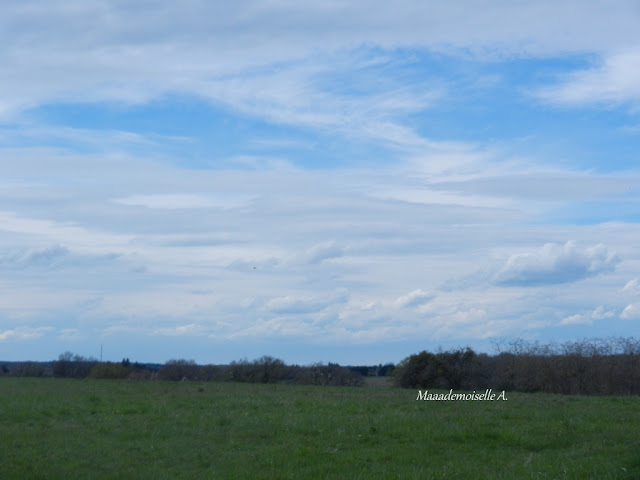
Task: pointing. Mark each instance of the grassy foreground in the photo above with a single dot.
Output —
(120, 429)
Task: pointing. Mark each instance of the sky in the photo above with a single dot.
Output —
(317, 181)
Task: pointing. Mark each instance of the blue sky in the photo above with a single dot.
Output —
(316, 181)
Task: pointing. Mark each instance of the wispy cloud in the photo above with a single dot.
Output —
(190, 329)
(179, 201)
(295, 304)
(24, 333)
(614, 80)
(46, 257)
(415, 298)
(600, 313)
(324, 251)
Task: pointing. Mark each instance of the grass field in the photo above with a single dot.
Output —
(121, 429)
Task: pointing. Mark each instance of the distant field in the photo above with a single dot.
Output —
(122, 429)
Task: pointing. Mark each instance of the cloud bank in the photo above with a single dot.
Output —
(555, 264)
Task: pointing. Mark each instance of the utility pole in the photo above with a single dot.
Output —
(100, 353)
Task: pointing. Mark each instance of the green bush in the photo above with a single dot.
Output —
(178, 370)
(109, 370)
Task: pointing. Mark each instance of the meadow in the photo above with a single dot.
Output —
(123, 429)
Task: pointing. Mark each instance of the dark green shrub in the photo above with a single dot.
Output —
(109, 370)
(178, 370)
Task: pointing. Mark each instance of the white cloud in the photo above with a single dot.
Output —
(190, 329)
(539, 184)
(428, 196)
(631, 312)
(268, 59)
(615, 80)
(554, 264)
(415, 298)
(360, 284)
(296, 304)
(576, 319)
(178, 201)
(632, 287)
(324, 251)
(600, 313)
(69, 234)
(54, 257)
(72, 334)
(24, 258)
(24, 333)
(296, 94)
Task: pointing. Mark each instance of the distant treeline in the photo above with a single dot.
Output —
(587, 367)
(265, 369)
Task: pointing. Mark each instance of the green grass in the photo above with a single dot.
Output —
(119, 429)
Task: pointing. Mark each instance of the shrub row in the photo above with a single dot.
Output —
(588, 367)
(265, 369)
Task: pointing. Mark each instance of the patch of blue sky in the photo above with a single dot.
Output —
(456, 99)
(498, 99)
(183, 126)
(169, 115)
(503, 108)
(197, 133)
(369, 70)
(596, 212)
(603, 328)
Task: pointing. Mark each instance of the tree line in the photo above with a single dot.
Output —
(587, 367)
(265, 369)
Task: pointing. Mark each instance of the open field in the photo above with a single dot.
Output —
(95, 429)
